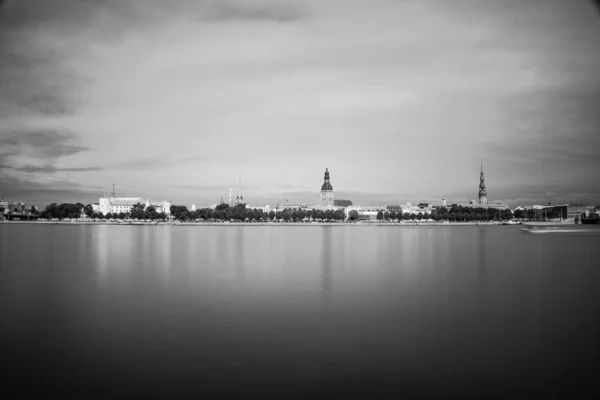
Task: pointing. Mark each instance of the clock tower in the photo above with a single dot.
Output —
(326, 191)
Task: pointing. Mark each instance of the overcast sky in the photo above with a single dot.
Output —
(400, 99)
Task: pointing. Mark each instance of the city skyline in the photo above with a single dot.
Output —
(400, 100)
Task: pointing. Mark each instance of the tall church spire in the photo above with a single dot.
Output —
(482, 190)
(326, 190)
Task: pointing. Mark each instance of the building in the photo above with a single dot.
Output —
(327, 191)
(423, 208)
(482, 198)
(240, 197)
(264, 208)
(366, 212)
(342, 203)
(14, 206)
(565, 211)
(393, 207)
(283, 204)
(482, 190)
(116, 205)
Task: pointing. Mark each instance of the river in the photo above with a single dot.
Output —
(114, 311)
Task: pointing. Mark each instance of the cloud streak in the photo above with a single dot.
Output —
(400, 99)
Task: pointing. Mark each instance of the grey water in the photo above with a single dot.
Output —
(317, 311)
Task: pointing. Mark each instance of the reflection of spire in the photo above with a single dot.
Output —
(326, 272)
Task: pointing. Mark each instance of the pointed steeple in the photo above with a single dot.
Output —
(326, 183)
(240, 194)
(482, 190)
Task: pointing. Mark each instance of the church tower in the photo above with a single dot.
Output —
(326, 191)
(482, 191)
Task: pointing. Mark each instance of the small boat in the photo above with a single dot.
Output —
(561, 229)
(511, 223)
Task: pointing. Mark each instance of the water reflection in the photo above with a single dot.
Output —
(326, 267)
(100, 236)
(240, 255)
(457, 309)
(482, 267)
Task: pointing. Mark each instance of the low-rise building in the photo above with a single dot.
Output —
(116, 205)
(264, 208)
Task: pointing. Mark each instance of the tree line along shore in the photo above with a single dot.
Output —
(240, 213)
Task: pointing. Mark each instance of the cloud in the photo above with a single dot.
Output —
(50, 169)
(273, 11)
(158, 162)
(48, 144)
(401, 98)
(38, 151)
(43, 192)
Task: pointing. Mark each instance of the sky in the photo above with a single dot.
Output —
(401, 100)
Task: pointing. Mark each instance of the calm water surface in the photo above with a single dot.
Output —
(116, 311)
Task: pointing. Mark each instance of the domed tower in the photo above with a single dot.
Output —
(326, 191)
(482, 191)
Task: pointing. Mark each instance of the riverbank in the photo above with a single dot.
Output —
(179, 223)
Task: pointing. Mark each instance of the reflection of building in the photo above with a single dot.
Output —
(326, 191)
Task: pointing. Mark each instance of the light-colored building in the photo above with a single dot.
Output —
(368, 212)
(116, 205)
(264, 208)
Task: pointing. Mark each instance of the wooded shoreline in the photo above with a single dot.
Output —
(179, 223)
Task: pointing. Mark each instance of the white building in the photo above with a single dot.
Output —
(117, 205)
(264, 208)
(366, 212)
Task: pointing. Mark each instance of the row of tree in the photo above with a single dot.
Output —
(17, 210)
(454, 214)
(223, 212)
(64, 210)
